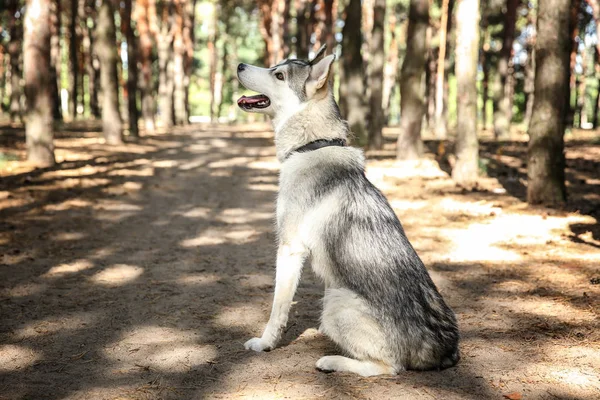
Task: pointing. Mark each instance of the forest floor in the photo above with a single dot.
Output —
(138, 272)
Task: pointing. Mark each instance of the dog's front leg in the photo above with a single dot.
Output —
(289, 267)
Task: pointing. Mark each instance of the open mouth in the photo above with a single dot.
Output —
(257, 101)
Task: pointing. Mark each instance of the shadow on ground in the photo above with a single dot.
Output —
(139, 271)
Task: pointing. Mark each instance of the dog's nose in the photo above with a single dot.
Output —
(241, 67)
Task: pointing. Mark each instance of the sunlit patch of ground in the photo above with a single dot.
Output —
(138, 272)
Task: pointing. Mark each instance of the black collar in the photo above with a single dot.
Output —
(318, 144)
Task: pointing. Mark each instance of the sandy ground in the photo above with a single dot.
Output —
(137, 272)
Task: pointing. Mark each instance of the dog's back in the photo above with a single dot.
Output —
(358, 247)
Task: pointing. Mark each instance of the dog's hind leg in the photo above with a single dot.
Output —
(347, 321)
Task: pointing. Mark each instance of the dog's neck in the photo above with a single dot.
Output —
(317, 119)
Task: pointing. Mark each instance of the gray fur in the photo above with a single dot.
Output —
(380, 305)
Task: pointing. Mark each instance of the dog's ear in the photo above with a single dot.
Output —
(320, 54)
(319, 75)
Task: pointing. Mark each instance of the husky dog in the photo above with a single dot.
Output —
(380, 305)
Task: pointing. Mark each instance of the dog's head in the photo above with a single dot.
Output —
(286, 87)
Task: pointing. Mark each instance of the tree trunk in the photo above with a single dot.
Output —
(597, 99)
(55, 61)
(530, 69)
(573, 33)
(546, 159)
(146, 24)
(93, 64)
(440, 128)
(179, 54)
(3, 69)
(213, 62)
(502, 102)
(595, 4)
(581, 91)
(189, 42)
(304, 28)
(430, 81)
(410, 144)
(73, 67)
(352, 92)
(287, 39)
(14, 51)
(376, 117)
(466, 169)
(132, 69)
(109, 81)
(390, 68)
(165, 65)
(38, 86)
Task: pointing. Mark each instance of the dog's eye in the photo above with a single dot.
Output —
(279, 76)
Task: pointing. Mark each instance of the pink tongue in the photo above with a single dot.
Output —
(251, 100)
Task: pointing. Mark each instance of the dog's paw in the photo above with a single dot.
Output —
(330, 364)
(257, 344)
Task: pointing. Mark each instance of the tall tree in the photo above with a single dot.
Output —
(146, 24)
(352, 92)
(107, 54)
(55, 62)
(440, 128)
(132, 68)
(14, 51)
(502, 109)
(213, 61)
(179, 56)
(92, 64)
(530, 67)
(165, 66)
(466, 168)
(546, 159)
(410, 144)
(73, 64)
(376, 117)
(390, 67)
(38, 85)
(574, 47)
(304, 27)
(595, 5)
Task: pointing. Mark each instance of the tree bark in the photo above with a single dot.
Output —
(179, 54)
(410, 144)
(376, 117)
(213, 62)
(92, 64)
(465, 171)
(502, 111)
(14, 51)
(390, 68)
(573, 33)
(55, 61)
(38, 86)
(530, 68)
(440, 128)
(304, 27)
(165, 65)
(352, 92)
(146, 24)
(107, 54)
(73, 67)
(546, 159)
(132, 69)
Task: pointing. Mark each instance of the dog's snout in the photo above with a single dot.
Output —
(241, 67)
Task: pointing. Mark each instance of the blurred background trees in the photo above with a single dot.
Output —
(144, 65)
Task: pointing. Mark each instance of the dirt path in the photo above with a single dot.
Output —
(138, 273)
